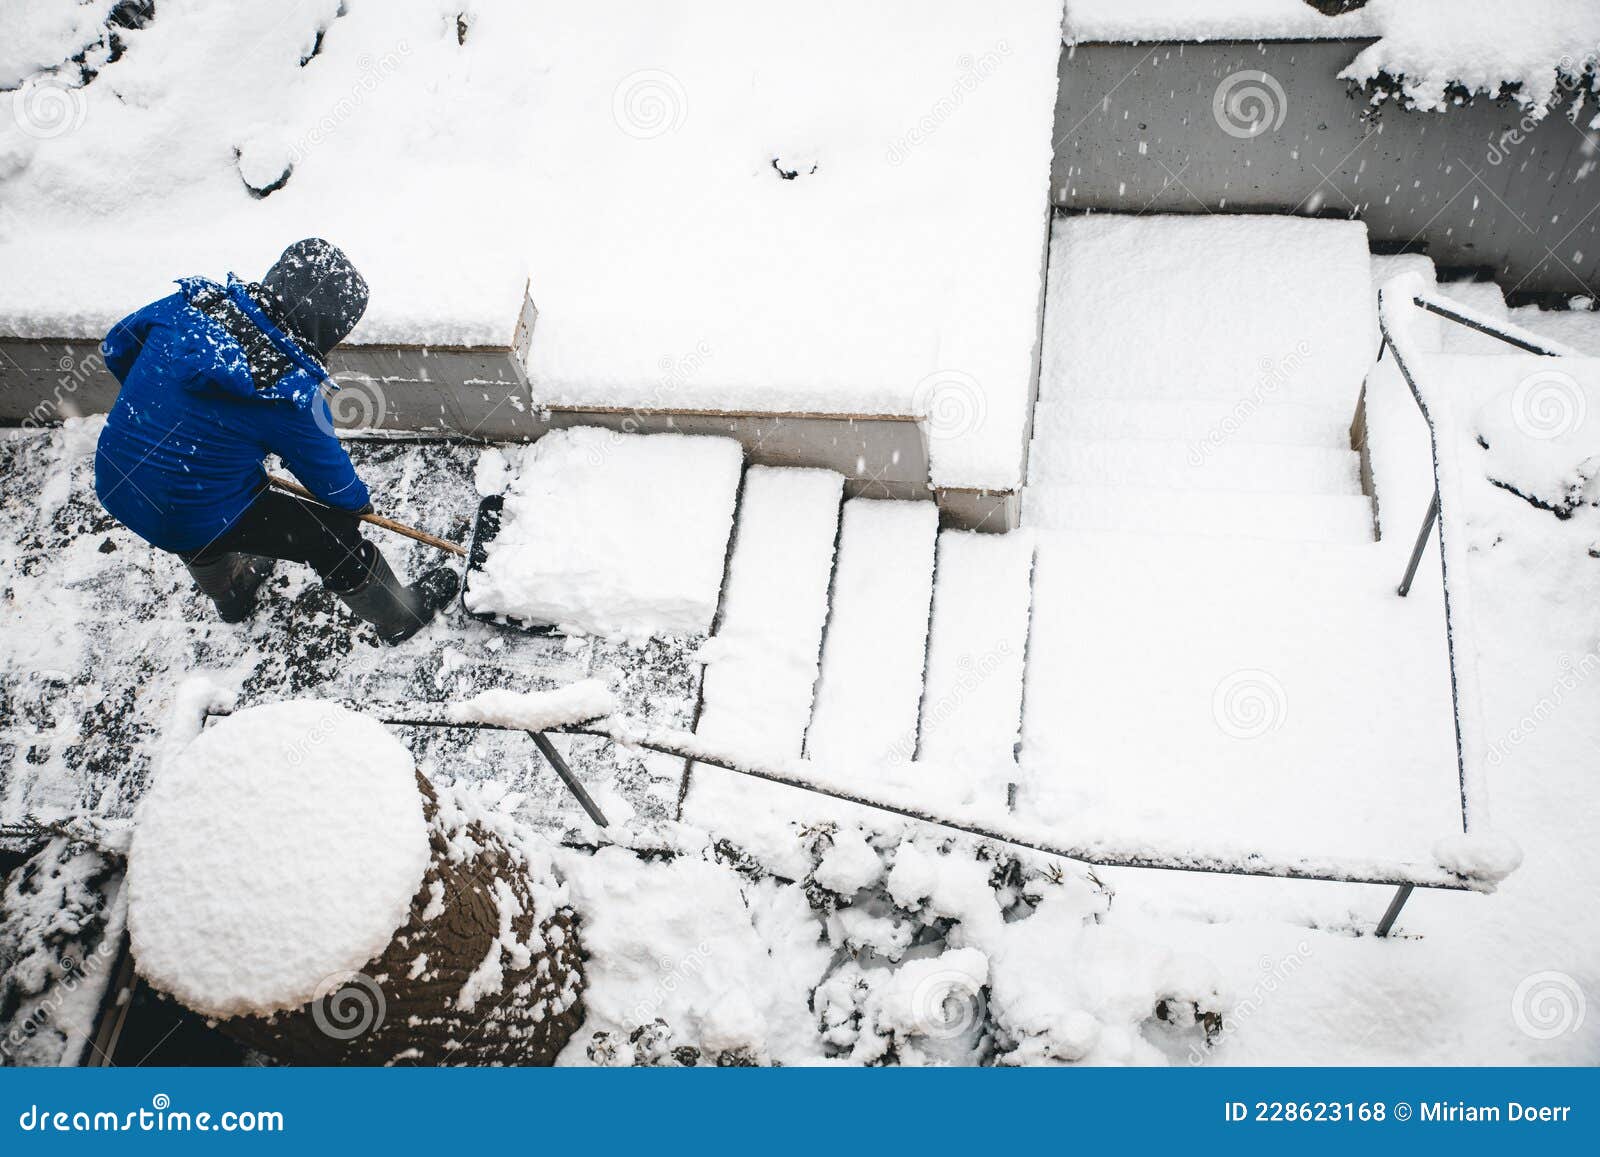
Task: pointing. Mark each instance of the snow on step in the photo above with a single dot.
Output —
(1197, 422)
(1186, 466)
(614, 534)
(972, 706)
(761, 667)
(1284, 517)
(1242, 694)
(1234, 306)
(873, 658)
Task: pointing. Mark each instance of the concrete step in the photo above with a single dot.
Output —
(875, 650)
(1195, 422)
(761, 664)
(1186, 466)
(972, 705)
(1283, 517)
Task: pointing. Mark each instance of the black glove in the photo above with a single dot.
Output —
(365, 510)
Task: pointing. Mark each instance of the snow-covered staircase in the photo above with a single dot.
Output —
(1185, 392)
(870, 654)
(1194, 505)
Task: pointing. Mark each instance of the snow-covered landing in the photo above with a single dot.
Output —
(1217, 650)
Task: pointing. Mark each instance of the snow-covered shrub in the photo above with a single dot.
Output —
(59, 936)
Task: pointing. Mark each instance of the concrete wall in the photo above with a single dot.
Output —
(1138, 129)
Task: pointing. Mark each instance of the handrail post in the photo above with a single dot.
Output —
(553, 757)
(1392, 912)
(1422, 543)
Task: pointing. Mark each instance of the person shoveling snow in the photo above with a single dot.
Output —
(214, 378)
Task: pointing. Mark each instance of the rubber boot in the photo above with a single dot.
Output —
(231, 580)
(396, 610)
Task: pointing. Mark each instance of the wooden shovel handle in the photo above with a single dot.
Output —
(376, 519)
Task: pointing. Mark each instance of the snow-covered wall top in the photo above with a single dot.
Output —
(1125, 20)
(821, 207)
(1431, 48)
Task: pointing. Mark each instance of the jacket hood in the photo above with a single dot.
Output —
(318, 292)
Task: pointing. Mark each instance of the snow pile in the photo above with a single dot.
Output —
(537, 710)
(282, 847)
(1486, 856)
(623, 536)
(1541, 429)
(1540, 50)
(805, 247)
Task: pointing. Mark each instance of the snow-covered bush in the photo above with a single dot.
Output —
(894, 949)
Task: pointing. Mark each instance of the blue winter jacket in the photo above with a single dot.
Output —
(181, 454)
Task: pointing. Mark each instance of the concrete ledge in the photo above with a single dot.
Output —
(481, 391)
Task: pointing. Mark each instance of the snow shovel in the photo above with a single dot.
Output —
(484, 530)
(376, 519)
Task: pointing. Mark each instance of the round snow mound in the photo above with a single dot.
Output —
(280, 848)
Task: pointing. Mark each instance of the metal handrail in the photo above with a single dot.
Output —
(1514, 336)
(1402, 875)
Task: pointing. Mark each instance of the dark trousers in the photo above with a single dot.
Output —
(279, 525)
